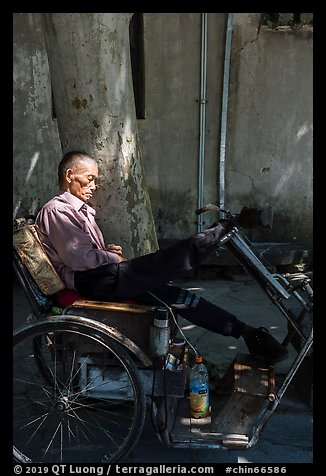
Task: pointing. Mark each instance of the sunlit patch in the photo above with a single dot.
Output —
(34, 160)
(232, 347)
(184, 421)
(188, 328)
(17, 208)
(242, 459)
(287, 175)
(34, 206)
(273, 327)
(32, 166)
(302, 131)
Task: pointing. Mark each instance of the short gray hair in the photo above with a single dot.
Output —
(70, 160)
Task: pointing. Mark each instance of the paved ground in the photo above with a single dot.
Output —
(287, 437)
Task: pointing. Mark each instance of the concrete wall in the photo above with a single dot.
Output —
(269, 141)
(269, 159)
(36, 144)
(170, 133)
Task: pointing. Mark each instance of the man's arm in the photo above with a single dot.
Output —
(65, 240)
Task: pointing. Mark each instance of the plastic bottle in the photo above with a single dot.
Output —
(171, 362)
(175, 356)
(199, 389)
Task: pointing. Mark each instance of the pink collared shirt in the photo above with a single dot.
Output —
(71, 237)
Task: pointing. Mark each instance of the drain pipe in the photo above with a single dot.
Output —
(202, 111)
(225, 110)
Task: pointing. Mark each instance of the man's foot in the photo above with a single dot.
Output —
(261, 343)
(211, 236)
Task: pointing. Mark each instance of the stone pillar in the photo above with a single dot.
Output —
(90, 68)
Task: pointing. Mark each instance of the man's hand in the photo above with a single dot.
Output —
(114, 249)
(117, 250)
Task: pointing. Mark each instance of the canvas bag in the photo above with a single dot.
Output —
(29, 247)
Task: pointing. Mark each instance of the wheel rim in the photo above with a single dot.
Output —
(77, 396)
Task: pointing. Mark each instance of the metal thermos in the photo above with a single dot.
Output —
(159, 334)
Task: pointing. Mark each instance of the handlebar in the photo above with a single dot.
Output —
(209, 207)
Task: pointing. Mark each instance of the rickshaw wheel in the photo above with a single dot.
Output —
(77, 395)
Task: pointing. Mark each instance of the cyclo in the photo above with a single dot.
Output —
(85, 373)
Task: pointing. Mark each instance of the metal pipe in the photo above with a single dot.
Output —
(226, 75)
(202, 111)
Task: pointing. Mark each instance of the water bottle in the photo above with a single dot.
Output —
(199, 389)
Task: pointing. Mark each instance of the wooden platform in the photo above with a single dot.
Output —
(244, 393)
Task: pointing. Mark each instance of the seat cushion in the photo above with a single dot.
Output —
(34, 258)
(67, 297)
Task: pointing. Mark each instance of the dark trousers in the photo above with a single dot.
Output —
(148, 275)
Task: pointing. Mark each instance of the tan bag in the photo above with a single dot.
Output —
(31, 252)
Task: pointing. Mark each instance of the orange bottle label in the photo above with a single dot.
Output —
(199, 404)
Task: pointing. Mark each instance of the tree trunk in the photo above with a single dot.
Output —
(90, 68)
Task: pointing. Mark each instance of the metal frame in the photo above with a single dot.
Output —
(278, 289)
(276, 286)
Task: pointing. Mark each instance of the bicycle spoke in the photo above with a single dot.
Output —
(72, 404)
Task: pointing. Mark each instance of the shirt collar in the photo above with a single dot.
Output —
(76, 203)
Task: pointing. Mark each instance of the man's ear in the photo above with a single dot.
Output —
(69, 174)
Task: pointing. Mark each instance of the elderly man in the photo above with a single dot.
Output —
(75, 245)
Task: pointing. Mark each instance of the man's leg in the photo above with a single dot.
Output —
(203, 313)
(138, 276)
(145, 273)
(193, 308)
(148, 272)
(196, 310)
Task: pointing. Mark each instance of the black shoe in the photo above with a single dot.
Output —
(261, 343)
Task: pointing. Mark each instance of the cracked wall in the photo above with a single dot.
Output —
(269, 133)
(269, 159)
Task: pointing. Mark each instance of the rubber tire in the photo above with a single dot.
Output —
(97, 337)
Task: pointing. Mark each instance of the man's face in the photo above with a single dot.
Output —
(81, 180)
